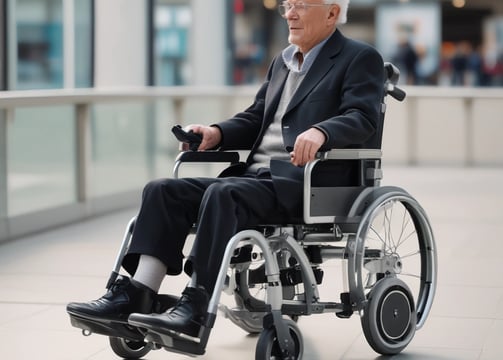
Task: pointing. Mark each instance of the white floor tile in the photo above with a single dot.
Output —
(40, 274)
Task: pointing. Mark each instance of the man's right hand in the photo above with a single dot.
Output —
(211, 136)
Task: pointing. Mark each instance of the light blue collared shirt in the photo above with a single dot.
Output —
(292, 62)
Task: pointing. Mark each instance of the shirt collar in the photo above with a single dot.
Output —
(292, 62)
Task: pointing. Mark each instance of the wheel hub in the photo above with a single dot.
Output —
(395, 314)
(388, 264)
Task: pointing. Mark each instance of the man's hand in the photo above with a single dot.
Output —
(306, 146)
(211, 136)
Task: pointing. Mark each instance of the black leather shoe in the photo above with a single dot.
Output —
(185, 317)
(123, 298)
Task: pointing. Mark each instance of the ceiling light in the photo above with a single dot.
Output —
(459, 3)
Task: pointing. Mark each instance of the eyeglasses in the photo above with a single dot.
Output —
(299, 7)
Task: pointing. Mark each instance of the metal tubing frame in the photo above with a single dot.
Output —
(125, 244)
(122, 252)
(274, 290)
(310, 285)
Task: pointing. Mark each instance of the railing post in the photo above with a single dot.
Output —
(469, 127)
(69, 43)
(178, 110)
(412, 155)
(3, 163)
(82, 118)
(151, 138)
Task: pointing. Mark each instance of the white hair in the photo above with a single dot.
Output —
(343, 5)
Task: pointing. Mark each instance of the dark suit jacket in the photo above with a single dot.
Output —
(341, 95)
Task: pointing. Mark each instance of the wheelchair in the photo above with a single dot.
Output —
(380, 234)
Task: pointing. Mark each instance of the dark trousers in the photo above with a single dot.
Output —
(220, 207)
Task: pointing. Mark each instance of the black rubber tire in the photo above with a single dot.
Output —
(129, 349)
(389, 317)
(268, 347)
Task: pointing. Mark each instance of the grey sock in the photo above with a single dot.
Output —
(150, 272)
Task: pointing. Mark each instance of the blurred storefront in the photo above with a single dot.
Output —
(85, 43)
(433, 29)
(34, 36)
(426, 37)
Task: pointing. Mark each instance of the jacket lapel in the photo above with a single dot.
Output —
(276, 84)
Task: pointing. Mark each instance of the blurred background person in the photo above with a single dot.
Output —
(406, 59)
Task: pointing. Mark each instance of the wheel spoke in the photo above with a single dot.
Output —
(379, 237)
(410, 254)
(413, 233)
(388, 215)
(405, 222)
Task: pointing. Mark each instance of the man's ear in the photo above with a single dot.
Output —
(333, 14)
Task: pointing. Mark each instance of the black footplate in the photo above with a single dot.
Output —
(106, 327)
(119, 328)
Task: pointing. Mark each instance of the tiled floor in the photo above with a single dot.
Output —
(41, 273)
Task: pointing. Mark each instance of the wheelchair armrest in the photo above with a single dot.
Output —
(208, 156)
(324, 204)
(231, 157)
(349, 154)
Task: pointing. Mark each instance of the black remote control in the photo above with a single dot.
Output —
(190, 137)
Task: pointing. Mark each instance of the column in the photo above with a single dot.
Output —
(121, 43)
(209, 42)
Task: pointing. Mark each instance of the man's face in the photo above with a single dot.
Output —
(308, 25)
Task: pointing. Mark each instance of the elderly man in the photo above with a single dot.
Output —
(323, 91)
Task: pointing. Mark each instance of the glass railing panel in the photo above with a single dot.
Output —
(166, 145)
(122, 154)
(41, 159)
(203, 110)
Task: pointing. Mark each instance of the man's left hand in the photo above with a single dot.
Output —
(306, 146)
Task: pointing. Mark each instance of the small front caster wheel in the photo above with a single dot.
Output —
(268, 346)
(129, 349)
(389, 317)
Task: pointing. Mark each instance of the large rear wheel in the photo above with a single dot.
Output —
(394, 240)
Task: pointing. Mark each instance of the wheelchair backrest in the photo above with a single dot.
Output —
(324, 198)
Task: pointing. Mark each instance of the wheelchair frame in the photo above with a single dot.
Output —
(391, 309)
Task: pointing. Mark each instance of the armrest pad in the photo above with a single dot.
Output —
(208, 156)
(230, 157)
(350, 154)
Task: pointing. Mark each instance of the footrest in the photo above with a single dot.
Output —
(106, 327)
(175, 342)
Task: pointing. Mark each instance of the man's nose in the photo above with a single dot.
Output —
(291, 13)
